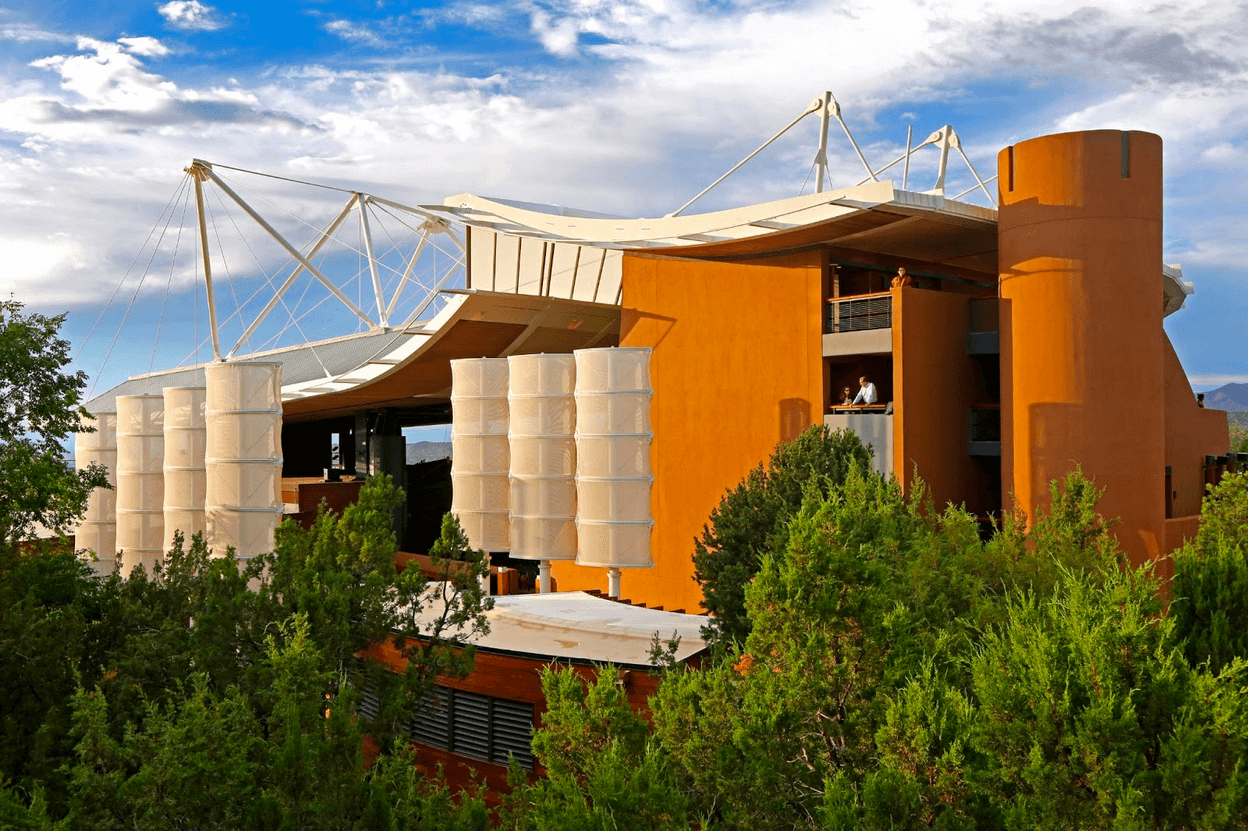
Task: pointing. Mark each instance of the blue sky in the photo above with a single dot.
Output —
(620, 106)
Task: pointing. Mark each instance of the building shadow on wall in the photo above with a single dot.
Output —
(794, 417)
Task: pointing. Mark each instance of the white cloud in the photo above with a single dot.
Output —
(645, 103)
(146, 47)
(356, 32)
(557, 36)
(471, 14)
(25, 33)
(106, 75)
(108, 94)
(45, 260)
(1208, 382)
(191, 15)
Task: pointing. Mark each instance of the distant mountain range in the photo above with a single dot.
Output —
(428, 451)
(1233, 397)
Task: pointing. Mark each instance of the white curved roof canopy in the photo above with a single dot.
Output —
(568, 265)
(554, 223)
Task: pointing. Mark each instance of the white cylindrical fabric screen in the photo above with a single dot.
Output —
(98, 531)
(185, 475)
(542, 410)
(140, 481)
(480, 456)
(243, 457)
(613, 457)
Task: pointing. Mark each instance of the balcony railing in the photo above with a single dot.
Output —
(875, 430)
(859, 313)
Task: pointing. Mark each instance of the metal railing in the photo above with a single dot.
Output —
(859, 313)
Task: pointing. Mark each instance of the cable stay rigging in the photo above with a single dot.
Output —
(263, 273)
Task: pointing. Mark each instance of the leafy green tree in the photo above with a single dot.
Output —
(190, 672)
(448, 612)
(852, 699)
(925, 752)
(18, 812)
(40, 404)
(601, 774)
(1203, 766)
(751, 519)
(1211, 578)
(214, 762)
(760, 735)
(49, 604)
(402, 797)
(1075, 693)
(1239, 431)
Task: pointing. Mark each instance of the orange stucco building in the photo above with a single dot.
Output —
(1027, 345)
(1028, 339)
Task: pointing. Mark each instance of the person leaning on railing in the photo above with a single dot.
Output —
(866, 393)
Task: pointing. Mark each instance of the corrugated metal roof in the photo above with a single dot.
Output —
(299, 363)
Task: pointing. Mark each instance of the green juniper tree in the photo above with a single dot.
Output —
(751, 520)
(900, 673)
(40, 405)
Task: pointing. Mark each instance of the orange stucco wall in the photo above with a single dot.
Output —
(933, 383)
(1191, 434)
(1178, 531)
(1081, 337)
(736, 368)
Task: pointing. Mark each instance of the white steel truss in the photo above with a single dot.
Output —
(428, 226)
(828, 109)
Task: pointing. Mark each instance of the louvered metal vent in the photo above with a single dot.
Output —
(429, 724)
(512, 732)
(478, 726)
(369, 701)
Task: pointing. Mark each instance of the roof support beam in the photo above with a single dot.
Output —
(326, 236)
(286, 245)
(834, 107)
(437, 223)
(198, 172)
(367, 235)
(991, 199)
(411, 265)
(433, 294)
(821, 156)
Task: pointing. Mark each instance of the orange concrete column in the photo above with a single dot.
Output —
(1079, 239)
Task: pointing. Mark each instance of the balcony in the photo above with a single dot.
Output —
(858, 325)
(873, 428)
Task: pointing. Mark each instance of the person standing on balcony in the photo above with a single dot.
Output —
(866, 394)
(902, 279)
(847, 397)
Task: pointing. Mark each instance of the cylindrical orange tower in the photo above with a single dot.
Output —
(1079, 238)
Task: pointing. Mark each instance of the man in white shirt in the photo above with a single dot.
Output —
(866, 394)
